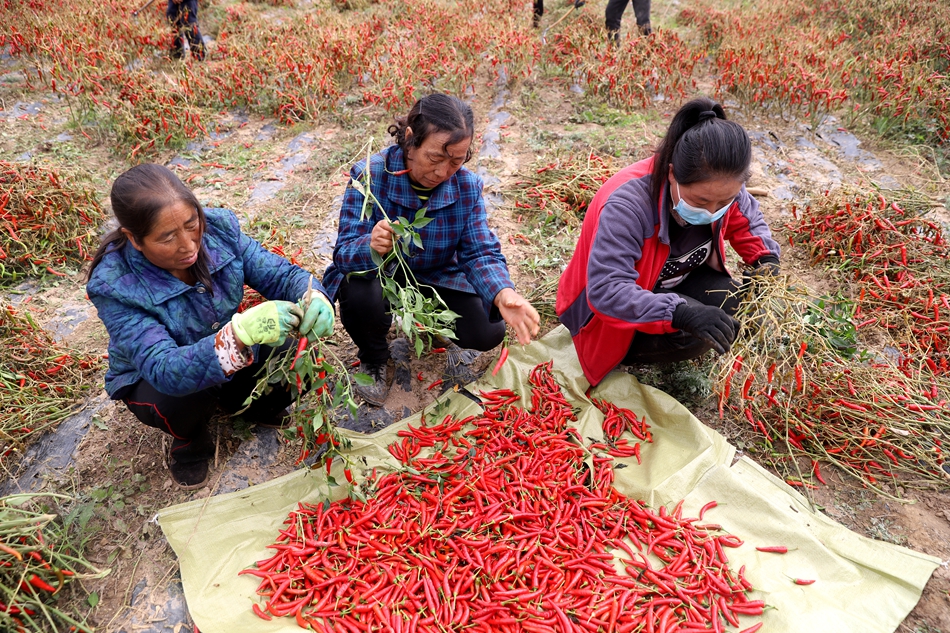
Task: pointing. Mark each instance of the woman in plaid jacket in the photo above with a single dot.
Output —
(461, 258)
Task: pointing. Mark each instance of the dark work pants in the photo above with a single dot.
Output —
(538, 11)
(185, 418)
(703, 286)
(184, 19)
(365, 316)
(615, 9)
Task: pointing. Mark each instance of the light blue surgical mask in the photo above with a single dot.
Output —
(697, 215)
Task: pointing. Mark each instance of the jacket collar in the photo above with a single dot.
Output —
(400, 191)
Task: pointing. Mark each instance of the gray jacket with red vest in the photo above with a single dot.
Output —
(606, 296)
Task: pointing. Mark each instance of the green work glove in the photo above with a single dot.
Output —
(270, 322)
(318, 320)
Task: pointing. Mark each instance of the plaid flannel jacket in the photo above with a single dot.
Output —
(459, 250)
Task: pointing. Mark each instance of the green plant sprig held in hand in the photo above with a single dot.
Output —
(422, 318)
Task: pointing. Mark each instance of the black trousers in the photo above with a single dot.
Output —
(703, 286)
(185, 418)
(615, 9)
(184, 19)
(366, 318)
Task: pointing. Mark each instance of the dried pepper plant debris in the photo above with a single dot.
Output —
(48, 222)
(500, 521)
(423, 315)
(40, 564)
(41, 381)
(803, 378)
(894, 256)
(561, 186)
(843, 56)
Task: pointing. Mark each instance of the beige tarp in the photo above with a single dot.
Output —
(862, 585)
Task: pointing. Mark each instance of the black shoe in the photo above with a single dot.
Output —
(376, 393)
(644, 29)
(189, 475)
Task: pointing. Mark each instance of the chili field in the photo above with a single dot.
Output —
(839, 384)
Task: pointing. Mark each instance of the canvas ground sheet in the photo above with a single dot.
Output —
(861, 585)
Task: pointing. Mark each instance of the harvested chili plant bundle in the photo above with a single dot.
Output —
(38, 561)
(496, 522)
(321, 386)
(48, 222)
(803, 380)
(41, 381)
(562, 186)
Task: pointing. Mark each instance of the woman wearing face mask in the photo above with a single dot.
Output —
(648, 282)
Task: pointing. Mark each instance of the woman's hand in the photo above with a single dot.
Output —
(381, 239)
(519, 314)
(318, 318)
(266, 323)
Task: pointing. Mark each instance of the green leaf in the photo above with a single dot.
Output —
(421, 213)
(417, 241)
(406, 325)
(419, 346)
(362, 379)
(376, 257)
(421, 222)
(93, 599)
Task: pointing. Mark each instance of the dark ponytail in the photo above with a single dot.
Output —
(435, 113)
(701, 145)
(138, 196)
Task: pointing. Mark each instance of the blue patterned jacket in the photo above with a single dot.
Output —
(459, 250)
(161, 329)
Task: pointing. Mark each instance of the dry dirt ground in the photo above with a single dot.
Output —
(286, 183)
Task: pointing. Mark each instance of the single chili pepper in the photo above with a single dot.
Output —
(419, 376)
(401, 172)
(802, 581)
(301, 347)
(39, 583)
(501, 360)
(434, 385)
(438, 350)
(774, 549)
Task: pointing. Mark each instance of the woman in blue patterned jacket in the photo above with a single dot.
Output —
(461, 258)
(167, 285)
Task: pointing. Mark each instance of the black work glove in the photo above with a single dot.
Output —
(766, 266)
(708, 323)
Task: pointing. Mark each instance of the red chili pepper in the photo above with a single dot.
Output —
(802, 581)
(401, 172)
(708, 506)
(301, 346)
(329, 464)
(774, 549)
(434, 385)
(438, 350)
(39, 583)
(419, 376)
(501, 360)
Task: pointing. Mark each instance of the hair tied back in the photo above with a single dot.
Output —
(707, 114)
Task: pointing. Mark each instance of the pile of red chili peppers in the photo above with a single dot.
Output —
(39, 379)
(502, 522)
(47, 222)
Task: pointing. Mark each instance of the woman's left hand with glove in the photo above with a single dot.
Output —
(318, 317)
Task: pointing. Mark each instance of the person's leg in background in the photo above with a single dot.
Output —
(704, 286)
(641, 9)
(192, 32)
(174, 14)
(185, 418)
(538, 13)
(612, 17)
